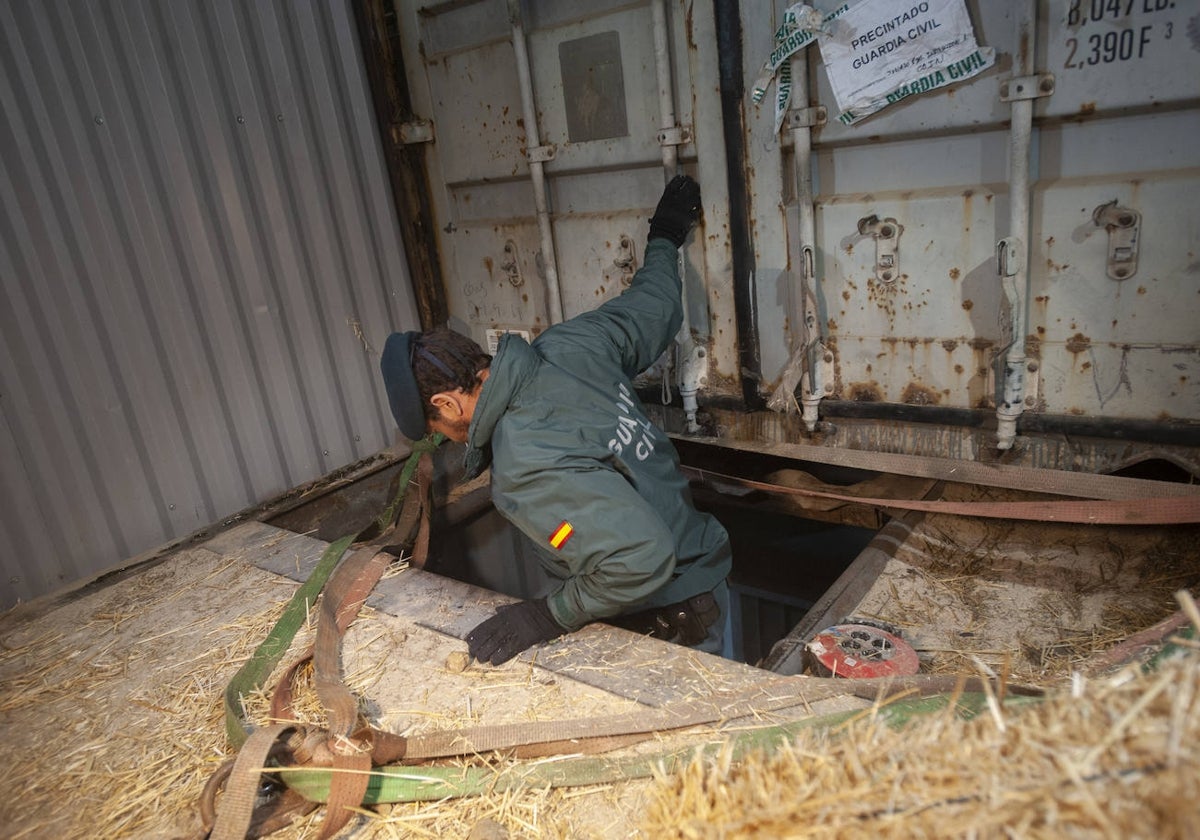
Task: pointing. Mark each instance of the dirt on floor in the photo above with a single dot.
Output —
(1033, 600)
(110, 703)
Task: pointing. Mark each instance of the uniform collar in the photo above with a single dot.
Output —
(513, 364)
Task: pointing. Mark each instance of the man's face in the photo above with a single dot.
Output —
(451, 415)
(453, 410)
(454, 428)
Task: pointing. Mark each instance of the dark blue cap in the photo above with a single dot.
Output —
(403, 396)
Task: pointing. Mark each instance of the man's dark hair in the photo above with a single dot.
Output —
(444, 360)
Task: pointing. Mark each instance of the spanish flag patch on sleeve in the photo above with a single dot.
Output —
(561, 534)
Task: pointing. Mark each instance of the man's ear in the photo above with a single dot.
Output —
(446, 402)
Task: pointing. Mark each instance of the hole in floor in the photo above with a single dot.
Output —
(782, 563)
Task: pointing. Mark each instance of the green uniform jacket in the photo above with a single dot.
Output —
(578, 467)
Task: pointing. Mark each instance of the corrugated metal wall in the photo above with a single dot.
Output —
(199, 260)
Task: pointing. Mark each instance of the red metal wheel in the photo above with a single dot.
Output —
(859, 651)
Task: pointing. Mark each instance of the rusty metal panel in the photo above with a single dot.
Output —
(199, 263)
(477, 114)
(1117, 346)
(1110, 330)
(925, 336)
(602, 179)
(557, 82)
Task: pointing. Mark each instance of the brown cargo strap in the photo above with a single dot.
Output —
(338, 746)
(1170, 510)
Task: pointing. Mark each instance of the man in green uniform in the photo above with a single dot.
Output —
(575, 463)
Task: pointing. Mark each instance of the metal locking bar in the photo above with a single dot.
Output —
(886, 233)
(1123, 225)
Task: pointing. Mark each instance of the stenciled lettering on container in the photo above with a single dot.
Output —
(1105, 32)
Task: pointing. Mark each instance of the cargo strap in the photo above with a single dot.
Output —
(1168, 510)
(237, 816)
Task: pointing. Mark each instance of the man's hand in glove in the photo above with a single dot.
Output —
(514, 628)
(677, 211)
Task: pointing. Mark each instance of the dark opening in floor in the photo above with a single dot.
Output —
(782, 563)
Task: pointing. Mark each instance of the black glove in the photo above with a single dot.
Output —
(514, 628)
(677, 211)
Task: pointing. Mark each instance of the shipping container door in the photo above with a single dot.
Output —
(554, 128)
(914, 221)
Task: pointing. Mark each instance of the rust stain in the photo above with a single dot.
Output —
(845, 294)
(1076, 411)
(1085, 366)
(949, 345)
(968, 304)
(1141, 290)
(832, 324)
(1087, 109)
(865, 391)
(1078, 343)
(917, 394)
(954, 273)
(958, 369)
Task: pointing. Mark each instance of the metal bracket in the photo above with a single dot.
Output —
(1027, 87)
(417, 131)
(806, 117)
(675, 136)
(626, 259)
(1010, 256)
(820, 381)
(1123, 225)
(510, 265)
(887, 243)
(1032, 381)
(541, 154)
